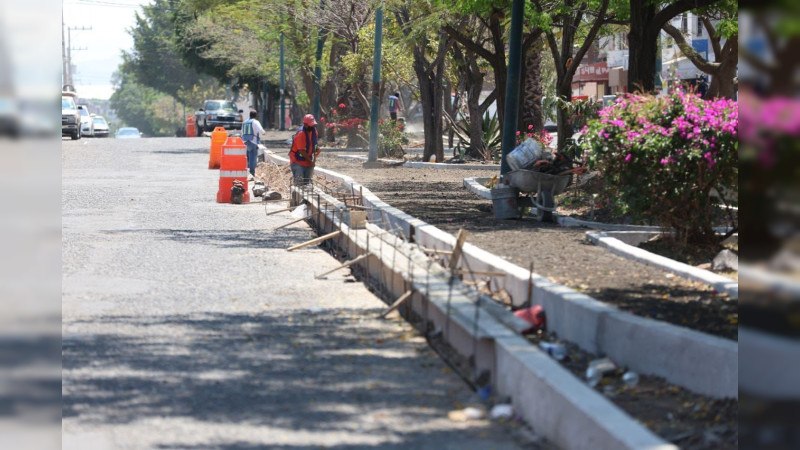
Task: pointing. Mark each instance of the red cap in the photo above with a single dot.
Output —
(309, 120)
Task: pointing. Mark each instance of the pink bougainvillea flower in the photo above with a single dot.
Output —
(517, 133)
(335, 111)
(628, 157)
(342, 105)
(530, 127)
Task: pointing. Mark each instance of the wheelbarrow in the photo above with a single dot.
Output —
(544, 185)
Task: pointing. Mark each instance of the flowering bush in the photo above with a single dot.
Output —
(543, 137)
(660, 158)
(339, 124)
(392, 137)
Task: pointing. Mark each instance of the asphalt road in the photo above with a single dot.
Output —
(186, 324)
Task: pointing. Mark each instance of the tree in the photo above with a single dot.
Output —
(647, 18)
(424, 41)
(576, 21)
(723, 69)
(145, 108)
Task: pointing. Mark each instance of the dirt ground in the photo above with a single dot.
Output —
(561, 254)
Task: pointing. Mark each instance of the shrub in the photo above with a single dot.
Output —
(391, 139)
(660, 158)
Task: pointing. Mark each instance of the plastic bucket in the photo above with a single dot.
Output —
(504, 202)
(524, 155)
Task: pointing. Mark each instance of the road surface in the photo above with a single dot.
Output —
(186, 324)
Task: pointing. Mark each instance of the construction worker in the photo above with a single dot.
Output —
(304, 151)
(251, 131)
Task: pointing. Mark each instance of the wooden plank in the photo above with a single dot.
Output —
(287, 224)
(460, 238)
(437, 251)
(347, 264)
(480, 273)
(279, 211)
(314, 241)
(407, 295)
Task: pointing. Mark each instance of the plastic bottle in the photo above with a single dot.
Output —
(630, 379)
(557, 351)
(593, 376)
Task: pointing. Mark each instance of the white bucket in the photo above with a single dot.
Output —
(526, 154)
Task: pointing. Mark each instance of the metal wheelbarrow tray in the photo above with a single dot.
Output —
(544, 185)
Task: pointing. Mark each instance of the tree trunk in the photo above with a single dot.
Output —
(564, 127)
(722, 84)
(532, 91)
(643, 47)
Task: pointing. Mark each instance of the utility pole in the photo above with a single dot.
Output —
(283, 91)
(512, 83)
(70, 79)
(376, 87)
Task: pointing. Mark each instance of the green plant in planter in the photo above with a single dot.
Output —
(661, 157)
(392, 137)
(491, 142)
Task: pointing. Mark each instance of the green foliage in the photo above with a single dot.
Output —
(660, 158)
(391, 139)
(491, 141)
(152, 112)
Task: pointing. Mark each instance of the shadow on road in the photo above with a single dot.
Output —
(261, 239)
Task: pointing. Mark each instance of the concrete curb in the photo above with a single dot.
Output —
(773, 363)
(431, 165)
(620, 243)
(547, 395)
(702, 363)
(475, 185)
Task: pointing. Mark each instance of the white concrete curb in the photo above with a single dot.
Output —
(614, 242)
(432, 165)
(475, 185)
(700, 362)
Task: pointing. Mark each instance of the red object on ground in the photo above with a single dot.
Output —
(534, 316)
(191, 127)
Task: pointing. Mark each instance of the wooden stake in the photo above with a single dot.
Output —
(314, 241)
(481, 273)
(437, 251)
(460, 238)
(287, 224)
(279, 211)
(530, 286)
(397, 303)
(347, 264)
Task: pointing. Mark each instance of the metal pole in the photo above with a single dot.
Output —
(283, 91)
(318, 74)
(376, 87)
(512, 83)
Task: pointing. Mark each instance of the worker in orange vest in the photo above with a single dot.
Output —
(304, 151)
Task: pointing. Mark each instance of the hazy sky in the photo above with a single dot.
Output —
(109, 20)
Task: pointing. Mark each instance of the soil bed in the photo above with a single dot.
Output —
(561, 254)
(689, 420)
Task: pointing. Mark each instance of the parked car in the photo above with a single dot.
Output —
(70, 117)
(218, 113)
(86, 121)
(9, 117)
(99, 126)
(128, 133)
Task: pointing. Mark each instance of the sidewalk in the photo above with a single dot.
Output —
(186, 324)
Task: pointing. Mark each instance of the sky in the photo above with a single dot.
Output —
(109, 21)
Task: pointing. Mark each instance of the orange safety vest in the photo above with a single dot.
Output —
(303, 145)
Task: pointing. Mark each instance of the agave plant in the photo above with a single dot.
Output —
(490, 128)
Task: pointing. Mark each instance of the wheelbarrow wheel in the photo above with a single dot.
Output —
(545, 198)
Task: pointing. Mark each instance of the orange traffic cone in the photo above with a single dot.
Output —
(218, 137)
(233, 166)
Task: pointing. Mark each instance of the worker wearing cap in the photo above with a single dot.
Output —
(304, 151)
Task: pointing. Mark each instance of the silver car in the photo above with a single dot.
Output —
(99, 126)
(128, 133)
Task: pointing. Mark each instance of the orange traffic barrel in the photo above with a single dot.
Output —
(191, 127)
(233, 166)
(218, 138)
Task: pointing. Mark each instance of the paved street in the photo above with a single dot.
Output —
(186, 324)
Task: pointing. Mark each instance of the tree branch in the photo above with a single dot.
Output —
(587, 42)
(712, 36)
(673, 9)
(691, 53)
(469, 43)
(485, 105)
